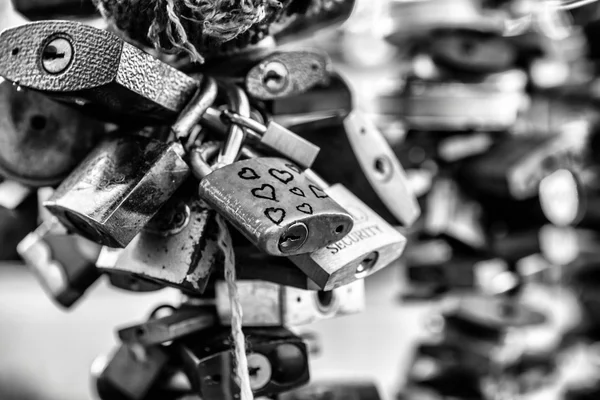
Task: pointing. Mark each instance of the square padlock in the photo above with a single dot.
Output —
(118, 188)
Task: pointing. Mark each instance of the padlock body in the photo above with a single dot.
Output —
(177, 248)
(42, 140)
(62, 265)
(269, 304)
(209, 364)
(459, 106)
(264, 197)
(371, 245)
(131, 373)
(118, 188)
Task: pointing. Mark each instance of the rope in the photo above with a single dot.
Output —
(239, 341)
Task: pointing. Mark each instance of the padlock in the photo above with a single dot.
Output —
(371, 245)
(270, 304)
(569, 197)
(414, 19)
(106, 261)
(335, 390)
(357, 141)
(277, 362)
(450, 213)
(452, 383)
(119, 187)
(42, 140)
(471, 51)
(36, 9)
(320, 107)
(254, 264)
(485, 320)
(129, 373)
(15, 223)
(307, 18)
(95, 70)
(183, 321)
(177, 247)
(515, 166)
(288, 73)
(13, 194)
(431, 359)
(488, 105)
(274, 205)
(63, 264)
(273, 136)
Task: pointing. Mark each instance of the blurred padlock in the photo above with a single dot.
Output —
(269, 304)
(106, 261)
(277, 362)
(129, 373)
(370, 246)
(515, 166)
(16, 221)
(118, 188)
(275, 206)
(43, 9)
(418, 18)
(42, 140)
(335, 390)
(64, 264)
(570, 197)
(450, 213)
(489, 105)
(181, 322)
(95, 70)
(471, 51)
(177, 247)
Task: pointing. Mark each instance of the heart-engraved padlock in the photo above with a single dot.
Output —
(371, 244)
(119, 187)
(94, 69)
(269, 304)
(178, 247)
(275, 206)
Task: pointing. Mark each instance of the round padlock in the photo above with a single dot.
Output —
(472, 51)
(42, 140)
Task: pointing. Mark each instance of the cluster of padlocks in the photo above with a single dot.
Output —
(155, 172)
(155, 177)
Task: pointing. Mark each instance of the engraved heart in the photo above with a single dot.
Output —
(305, 208)
(248, 174)
(276, 215)
(294, 168)
(282, 176)
(297, 191)
(317, 191)
(266, 191)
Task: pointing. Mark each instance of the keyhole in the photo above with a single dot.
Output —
(383, 168)
(57, 55)
(293, 238)
(468, 47)
(366, 265)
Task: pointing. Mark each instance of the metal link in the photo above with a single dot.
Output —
(237, 100)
